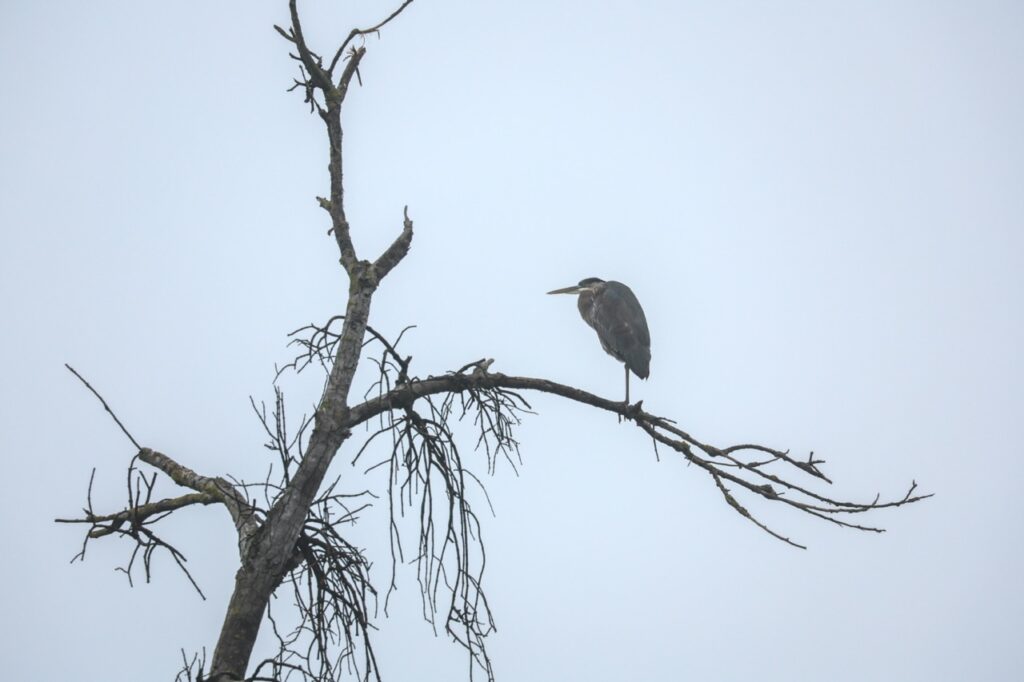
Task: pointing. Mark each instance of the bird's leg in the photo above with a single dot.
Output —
(627, 389)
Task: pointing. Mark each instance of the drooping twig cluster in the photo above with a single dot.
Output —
(755, 469)
(331, 593)
(428, 478)
(329, 577)
(140, 513)
(135, 521)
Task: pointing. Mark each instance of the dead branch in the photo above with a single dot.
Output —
(105, 524)
(243, 513)
(723, 464)
(329, 576)
(397, 250)
(105, 406)
(134, 521)
(360, 32)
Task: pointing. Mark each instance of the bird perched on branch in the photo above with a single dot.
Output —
(612, 310)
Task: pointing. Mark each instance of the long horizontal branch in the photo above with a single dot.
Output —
(406, 394)
(724, 465)
(106, 524)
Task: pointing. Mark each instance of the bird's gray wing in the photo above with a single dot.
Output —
(622, 327)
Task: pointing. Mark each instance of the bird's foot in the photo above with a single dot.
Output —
(630, 412)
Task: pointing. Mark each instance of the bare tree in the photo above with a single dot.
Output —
(288, 525)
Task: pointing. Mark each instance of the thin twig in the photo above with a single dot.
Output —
(105, 406)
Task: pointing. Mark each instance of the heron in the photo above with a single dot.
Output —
(613, 311)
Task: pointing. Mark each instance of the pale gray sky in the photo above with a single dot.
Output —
(820, 206)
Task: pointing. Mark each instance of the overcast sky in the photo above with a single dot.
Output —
(820, 206)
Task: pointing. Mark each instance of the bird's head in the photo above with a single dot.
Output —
(589, 284)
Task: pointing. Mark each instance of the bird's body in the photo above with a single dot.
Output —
(613, 311)
(615, 314)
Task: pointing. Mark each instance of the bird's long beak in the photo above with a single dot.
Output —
(568, 290)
